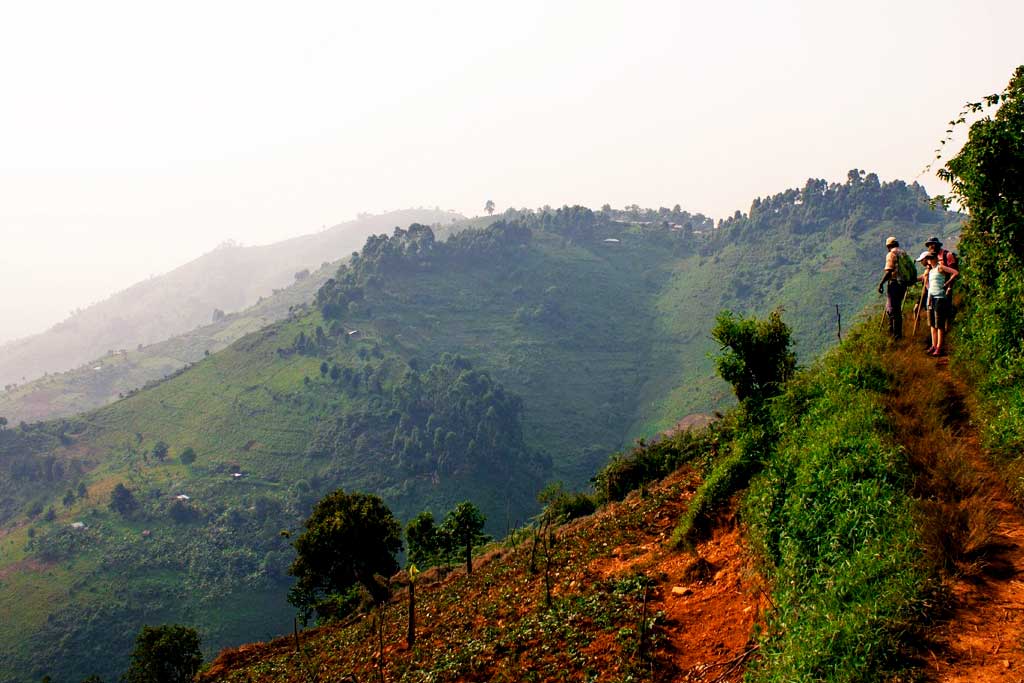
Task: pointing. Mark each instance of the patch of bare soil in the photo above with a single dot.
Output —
(703, 605)
(710, 598)
(711, 602)
(981, 638)
(27, 565)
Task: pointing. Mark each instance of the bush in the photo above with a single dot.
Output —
(188, 456)
(122, 500)
(561, 505)
(648, 462)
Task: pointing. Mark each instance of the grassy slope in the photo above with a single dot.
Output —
(632, 327)
(832, 518)
(807, 286)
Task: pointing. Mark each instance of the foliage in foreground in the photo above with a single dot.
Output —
(756, 358)
(833, 519)
(987, 179)
(829, 510)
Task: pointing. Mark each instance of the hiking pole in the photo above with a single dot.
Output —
(917, 309)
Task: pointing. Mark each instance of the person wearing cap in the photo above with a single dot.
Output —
(896, 290)
(937, 278)
(948, 259)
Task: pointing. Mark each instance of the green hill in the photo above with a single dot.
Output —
(227, 279)
(105, 378)
(426, 371)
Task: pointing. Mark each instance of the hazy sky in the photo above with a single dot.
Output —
(135, 136)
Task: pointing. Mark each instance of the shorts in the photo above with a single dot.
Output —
(939, 312)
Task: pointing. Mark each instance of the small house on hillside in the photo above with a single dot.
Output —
(182, 496)
(611, 240)
(355, 334)
(77, 525)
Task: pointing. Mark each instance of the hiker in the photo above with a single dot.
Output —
(900, 273)
(937, 278)
(946, 257)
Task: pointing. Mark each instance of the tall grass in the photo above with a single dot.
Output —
(833, 519)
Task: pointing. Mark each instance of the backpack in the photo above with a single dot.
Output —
(947, 258)
(906, 271)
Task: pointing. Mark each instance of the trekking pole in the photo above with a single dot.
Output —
(917, 312)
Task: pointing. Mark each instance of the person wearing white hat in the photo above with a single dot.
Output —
(937, 278)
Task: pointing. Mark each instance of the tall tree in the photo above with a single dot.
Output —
(987, 178)
(164, 654)
(348, 539)
(464, 525)
(489, 207)
(424, 540)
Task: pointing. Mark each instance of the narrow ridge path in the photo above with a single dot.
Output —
(973, 519)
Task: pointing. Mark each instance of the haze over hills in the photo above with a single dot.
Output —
(227, 279)
(425, 371)
(104, 379)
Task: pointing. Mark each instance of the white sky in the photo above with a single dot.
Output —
(135, 136)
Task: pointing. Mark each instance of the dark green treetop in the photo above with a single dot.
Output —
(188, 456)
(348, 539)
(164, 654)
(122, 500)
(425, 541)
(464, 525)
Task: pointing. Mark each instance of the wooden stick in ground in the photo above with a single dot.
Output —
(920, 305)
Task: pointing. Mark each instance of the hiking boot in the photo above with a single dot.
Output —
(931, 351)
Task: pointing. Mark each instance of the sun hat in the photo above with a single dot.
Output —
(933, 240)
(889, 241)
(925, 254)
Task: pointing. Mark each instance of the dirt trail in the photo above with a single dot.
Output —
(981, 638)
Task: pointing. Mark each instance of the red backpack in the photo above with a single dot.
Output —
(947, 258)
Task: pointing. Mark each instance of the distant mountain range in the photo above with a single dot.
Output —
(226, 279)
